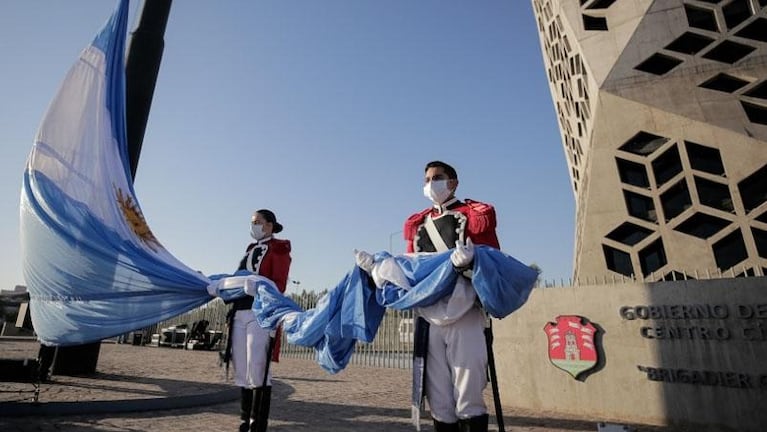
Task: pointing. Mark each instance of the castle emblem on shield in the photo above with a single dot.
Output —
(572, 346)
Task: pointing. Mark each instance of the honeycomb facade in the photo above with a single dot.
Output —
(662, 108)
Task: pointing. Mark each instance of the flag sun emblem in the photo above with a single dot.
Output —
(135, 220)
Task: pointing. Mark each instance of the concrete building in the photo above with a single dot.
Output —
(662, 108)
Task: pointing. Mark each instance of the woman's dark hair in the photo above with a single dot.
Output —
(271, 218)
(450, 171)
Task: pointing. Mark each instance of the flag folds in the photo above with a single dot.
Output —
(92, 265)
(354, 308)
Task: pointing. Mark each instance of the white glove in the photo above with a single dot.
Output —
(463, 254)
(364, 260)
(250, 287)
(250, 283)
(213, 289)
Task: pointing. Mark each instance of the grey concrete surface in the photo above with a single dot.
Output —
(141, 388)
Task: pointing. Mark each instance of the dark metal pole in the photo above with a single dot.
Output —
(493, 375)
(141, 70)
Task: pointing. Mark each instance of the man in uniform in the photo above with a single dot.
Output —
(451, 331)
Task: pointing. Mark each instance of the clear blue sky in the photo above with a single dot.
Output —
(323, 111)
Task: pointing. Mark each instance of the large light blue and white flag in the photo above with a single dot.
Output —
(353, 309)
(92, 265)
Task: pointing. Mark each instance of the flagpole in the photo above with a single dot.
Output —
(141, 69)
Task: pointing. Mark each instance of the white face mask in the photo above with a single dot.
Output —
(437, 191)
(256, 231)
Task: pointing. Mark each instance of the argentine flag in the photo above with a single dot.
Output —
(352, 310)
(92, 266)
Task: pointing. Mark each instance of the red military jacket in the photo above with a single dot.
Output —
(457, 221)
(274, 264)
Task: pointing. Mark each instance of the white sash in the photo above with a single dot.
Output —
(436, 239)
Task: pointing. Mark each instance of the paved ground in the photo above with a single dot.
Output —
(142, 388)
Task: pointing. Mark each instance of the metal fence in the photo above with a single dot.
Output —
(392, 347)
(214, 312)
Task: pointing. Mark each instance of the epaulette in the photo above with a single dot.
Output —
(482, 216)
(413, 222)
(280, 246)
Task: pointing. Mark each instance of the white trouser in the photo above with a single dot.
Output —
(250, 344)
(456, 368)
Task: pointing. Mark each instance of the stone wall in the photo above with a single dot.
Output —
(686, 352)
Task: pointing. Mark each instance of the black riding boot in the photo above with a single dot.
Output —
(445, 427)
(246, 404)
(474, 424)
(262, 397)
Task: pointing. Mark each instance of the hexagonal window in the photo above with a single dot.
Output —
(640, 206)
(653, 257)
(736, 12)
(703, 158)
(759, 91)
(701, 18)
(753, 189)
(724, 83)
(702, 225)
(715, 195)
(756, 30)
(666, 166)
(632, 173)
(755, 113)
(675, 200)
(730, 250)
(643, 143)
(618, 261)
(729, 52)
(760, 238)
(629, 234)
(658, 64)
(594, 23)
(689, 43)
